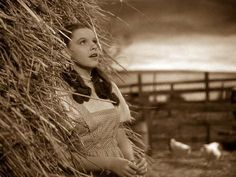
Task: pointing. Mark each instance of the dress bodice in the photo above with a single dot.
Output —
(96, 128)
(99, 134)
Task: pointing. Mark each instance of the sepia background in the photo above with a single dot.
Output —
(179, 79)
(172, 34)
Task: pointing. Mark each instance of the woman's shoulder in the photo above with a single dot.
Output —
(115, 88)
(123, 106)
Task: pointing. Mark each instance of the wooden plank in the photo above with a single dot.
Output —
(167, 71)
(202, 107)
(140, 83)
(207, 86)
(181, 91)
(177, 82)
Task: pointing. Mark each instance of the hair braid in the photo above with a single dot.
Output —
(103, 87)
(76, 82)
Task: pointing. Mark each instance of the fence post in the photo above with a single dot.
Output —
(207, 86)
(172, 95)
(208, 127)
(140, 90)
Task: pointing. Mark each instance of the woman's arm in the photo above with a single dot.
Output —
(125, 144)
(126, 148)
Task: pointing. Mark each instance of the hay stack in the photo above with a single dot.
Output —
(33, 128)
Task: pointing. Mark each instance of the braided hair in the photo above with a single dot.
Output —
(76, 82)
(103, 87)
(101, 83)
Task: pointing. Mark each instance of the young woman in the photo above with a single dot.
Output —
(98, 110)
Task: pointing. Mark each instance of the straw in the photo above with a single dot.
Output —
(34, 129)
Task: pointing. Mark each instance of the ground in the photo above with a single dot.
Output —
(195, 165)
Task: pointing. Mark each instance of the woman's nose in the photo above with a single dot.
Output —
(94, 46)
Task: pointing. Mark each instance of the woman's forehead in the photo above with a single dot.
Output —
(83, 33)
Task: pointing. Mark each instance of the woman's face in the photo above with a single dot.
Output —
(83, 48)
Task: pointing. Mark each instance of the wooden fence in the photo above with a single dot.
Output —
(212, 95)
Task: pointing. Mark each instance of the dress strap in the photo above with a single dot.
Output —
(85, 114)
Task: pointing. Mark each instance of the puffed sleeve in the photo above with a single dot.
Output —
(123, 107)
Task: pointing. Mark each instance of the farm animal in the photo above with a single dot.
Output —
(178, 148)
(212, 151)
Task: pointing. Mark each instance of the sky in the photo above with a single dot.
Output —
(174, 34)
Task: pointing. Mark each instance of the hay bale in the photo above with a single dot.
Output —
(33, 128)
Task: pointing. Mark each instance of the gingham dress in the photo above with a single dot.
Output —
(96, 129)
(99, 134)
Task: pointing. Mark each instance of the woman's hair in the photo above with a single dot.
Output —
(69, 29)
(102, 85)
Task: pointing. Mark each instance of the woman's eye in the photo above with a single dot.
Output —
(95, 41)
(82, 42)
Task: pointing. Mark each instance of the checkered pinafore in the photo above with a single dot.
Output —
(98, 135)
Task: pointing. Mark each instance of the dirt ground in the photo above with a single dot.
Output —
(166, 164)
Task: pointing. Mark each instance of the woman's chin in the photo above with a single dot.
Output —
(91, 65)
(95, 63)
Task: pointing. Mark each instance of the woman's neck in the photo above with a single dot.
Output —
(85, 73)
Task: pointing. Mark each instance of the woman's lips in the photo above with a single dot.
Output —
(93, 55)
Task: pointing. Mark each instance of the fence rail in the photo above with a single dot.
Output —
(176, 82)
(224, 88)
(208, 85)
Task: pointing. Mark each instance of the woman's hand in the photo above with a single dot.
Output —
(141, 166)
(123, 167)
